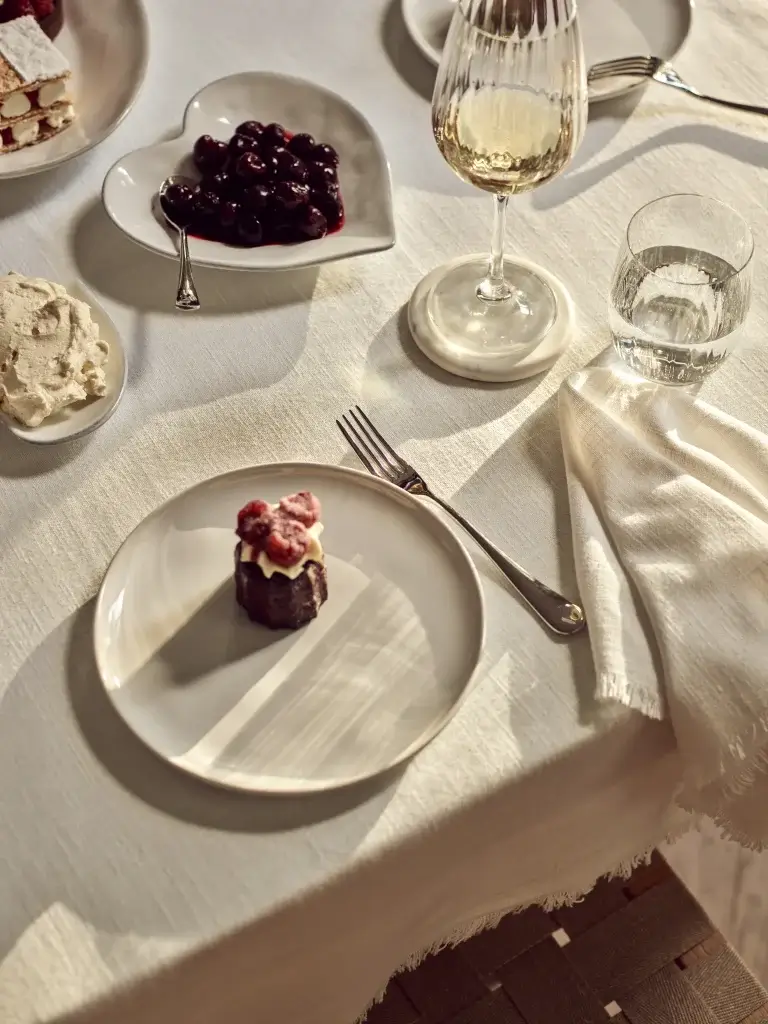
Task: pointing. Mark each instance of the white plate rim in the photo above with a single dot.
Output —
(28, 434)
(433, 55)
(238, 781)
(381, 245)
(49, 165)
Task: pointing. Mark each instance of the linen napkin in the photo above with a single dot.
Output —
(669, 508)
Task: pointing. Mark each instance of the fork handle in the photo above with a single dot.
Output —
(732, 104)
(561, 616)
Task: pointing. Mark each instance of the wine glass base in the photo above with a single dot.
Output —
(491, 341)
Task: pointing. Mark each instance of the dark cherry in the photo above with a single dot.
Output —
(302, 145)
(290, 195)
(178, 203)
(284, 231)
(251, 169)
(322, 174)
(207, 205)
(274, 135)
(249, 229)
(220, 183)
(286, 166)
(252, 129)
(323, 154)
(240, 144)
(209, 154)
(257, 199)
(230, 215)
(313, 223)
(330, 205)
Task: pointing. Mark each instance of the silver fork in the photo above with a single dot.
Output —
(379, 457)
(660, 71)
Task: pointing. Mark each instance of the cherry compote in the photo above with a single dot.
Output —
(264, 186)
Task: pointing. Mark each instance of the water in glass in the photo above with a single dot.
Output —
(677, 310)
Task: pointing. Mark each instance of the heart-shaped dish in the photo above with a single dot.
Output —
(131, 185)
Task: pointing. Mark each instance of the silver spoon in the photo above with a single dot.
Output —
(186, 297)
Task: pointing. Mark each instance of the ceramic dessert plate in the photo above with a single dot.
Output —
(107, 47)
(84, 417)
(355, 692)
(131, 185)
(609, 29)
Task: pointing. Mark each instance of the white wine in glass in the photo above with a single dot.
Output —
(508, 112)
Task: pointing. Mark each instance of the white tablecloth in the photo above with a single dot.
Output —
(111, 863)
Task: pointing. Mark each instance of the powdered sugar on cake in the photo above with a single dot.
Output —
(31, 54)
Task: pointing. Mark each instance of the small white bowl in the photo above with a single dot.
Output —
(130, 186)
(80, 419)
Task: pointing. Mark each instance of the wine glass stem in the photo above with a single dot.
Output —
(493, 287)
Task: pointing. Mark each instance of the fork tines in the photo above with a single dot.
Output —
(636, 67)
(376, 454)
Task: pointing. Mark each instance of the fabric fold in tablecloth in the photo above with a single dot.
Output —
(669, 508)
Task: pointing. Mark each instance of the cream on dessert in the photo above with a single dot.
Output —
(51, 355)
(34, 86)
(314, 553)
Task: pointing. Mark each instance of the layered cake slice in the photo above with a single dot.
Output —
(280, 575)
(35, 101)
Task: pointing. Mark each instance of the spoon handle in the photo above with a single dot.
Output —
(186, 296)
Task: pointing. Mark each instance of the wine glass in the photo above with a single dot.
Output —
(682, 288)
(508, 112)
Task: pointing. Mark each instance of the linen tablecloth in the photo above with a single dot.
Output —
(112, 864)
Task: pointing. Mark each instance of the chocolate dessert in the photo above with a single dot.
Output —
(280, 575)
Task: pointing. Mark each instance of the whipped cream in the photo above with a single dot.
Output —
(15, 105)
(52, 92)
(61, 116)
(269, 568)
(25, 132)
(50, 351)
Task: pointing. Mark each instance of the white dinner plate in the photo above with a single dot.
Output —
(301, 106)
(84, 417)
(355, 692)
(610, 28)
(107, 46)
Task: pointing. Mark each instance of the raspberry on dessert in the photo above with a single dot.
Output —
(209, 154)
(254, 522)
(43, 8)
(287, 543)
(303, 506)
